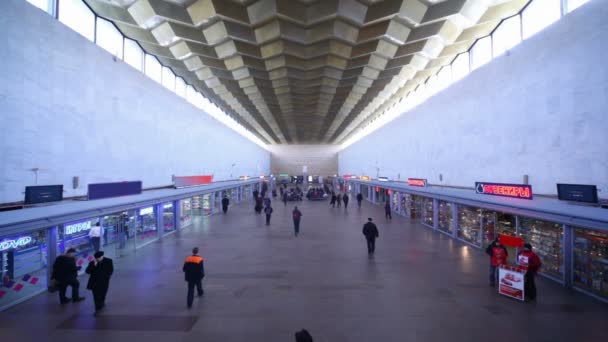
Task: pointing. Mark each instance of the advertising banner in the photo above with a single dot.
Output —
(188, 181)
(506, 190)
(107, 190)
(511, 282)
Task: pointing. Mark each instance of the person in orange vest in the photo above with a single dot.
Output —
(194, 272)
(498, 256)
(531, 262)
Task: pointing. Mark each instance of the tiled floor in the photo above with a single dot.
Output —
(263, 284)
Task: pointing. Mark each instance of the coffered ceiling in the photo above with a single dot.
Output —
(305, 71)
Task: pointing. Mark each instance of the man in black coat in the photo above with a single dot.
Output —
(194, 272)
(100, 271)
(359, 199)
(345, 199)
(371, 233)
(65, 273)
(225, 203)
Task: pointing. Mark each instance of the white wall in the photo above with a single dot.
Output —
(320, 159)
(67, 108)
(540, 110)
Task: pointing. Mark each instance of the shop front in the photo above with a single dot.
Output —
(427, 211)
(590, 261)
(414, 210)
(469, 225)
(23, 267)
(185, 212)
(76, 235)
(547, 240)
(146, 230)
(206, 204)
(168, 218)
(446, 218)
(365, 191)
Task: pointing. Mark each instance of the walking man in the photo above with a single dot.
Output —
(531, 262)
(297, 215)
(284, 197)
(345, 199)
(194, 272)
(339, 200)
(225, 203)
(95, 235)
(359, 199)
(100, 271)
(371, 233)
(333, 199)
(387, 210)
(268, 211)
(65, 273)
(498, 256)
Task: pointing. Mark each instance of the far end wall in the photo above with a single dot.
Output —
(539, 110)
(68, 109)
(321, 160)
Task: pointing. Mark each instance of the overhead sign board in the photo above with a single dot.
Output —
(5, 245)
(506, 190)
(577, 193)
(77, 227)
(107, 190)
(365, 178)
(416, 182)
(188, 181)
(383, 179)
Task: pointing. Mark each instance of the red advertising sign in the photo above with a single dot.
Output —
(512, 241)
(186, 181)
(416, 182)
(347, 176)
(506, 190)
(511, 282)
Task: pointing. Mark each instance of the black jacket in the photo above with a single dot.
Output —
(100, 274)
(65, 269)
(194, 268)
(345, 198)
(359, 197)
(225, 202)
(370, 231)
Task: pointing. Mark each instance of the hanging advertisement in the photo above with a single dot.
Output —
(511, 282)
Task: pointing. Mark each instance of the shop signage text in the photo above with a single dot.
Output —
(16, 243)
(383, 179)
(77, 227)
(506, 190)
(416, 182)
(146, 211)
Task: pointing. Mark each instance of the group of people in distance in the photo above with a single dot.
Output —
(337, 199)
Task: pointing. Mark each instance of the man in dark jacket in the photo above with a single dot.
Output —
(498, 256)
(268, 211)
(303, 336)
(333, 199)
(371, 233)
(339, 200)
(194, 272)
(297, 215)
(65, 273)
(359, 199)
(225, 203)
(531, 262)
(101, 270)
(387, 210)
(345, 199)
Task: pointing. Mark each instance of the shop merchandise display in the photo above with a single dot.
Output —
(494, 224)
(205, 204)
(546, 239)
(446, 220)
(404, 210)
(469, 224)
(591, 261)
(168, 222)
(186, 212)
(395, 202)
(146, 228)
(415, 208)
(196, 206)
(427, 211)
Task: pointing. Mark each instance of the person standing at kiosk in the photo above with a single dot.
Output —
(498, 256)
(531, 262)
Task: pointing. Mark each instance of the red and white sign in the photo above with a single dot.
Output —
(506, 190)
(511, 282)
(416, 182)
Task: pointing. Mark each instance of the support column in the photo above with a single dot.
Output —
(435, 214)
(177, 215)
(567, 247)
(160, 224)
(51, 241)
(212, 202)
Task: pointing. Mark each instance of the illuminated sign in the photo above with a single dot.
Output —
(416, 182)
(310, 179)
(283, 175)
(168, 205)
(77, 227)
(365, 178)
(146, 211)
(243, 177)
(506, 190)
(16, 243)
(347, 176)
(383, 179)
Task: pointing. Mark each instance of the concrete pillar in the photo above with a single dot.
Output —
(568, 250)
(177, 215)
(160, 224)
(435, 214)
(455, 220)
(51, 240)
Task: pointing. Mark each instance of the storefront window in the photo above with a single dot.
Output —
(493, 224)
(446, 220)
(469, 224)
(415, 209)
(546, 239)
(76, 235)
(186, 212)
(246, 191)
(427, 211)
(403, 204)
(146, 229)
(206, 204)
(197, 205)
(591, 261)
(364, 191)
(395, 202)
(113, 234)
(23, 267)
(168, 218)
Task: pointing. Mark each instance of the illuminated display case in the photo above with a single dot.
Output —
(427, 211)
(495, 223)
(23, 267)
(186, 212)
(546, 239)
(206, 205)
(403, 205)
(446, 220)
(469, 224)
(146, 229)
(168, 218)
(197, 209)
(395, 201)
(591, 261)
(415, 209)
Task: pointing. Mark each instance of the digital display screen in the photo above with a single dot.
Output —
(43, 193)
(577, 193)
(107, 190)
(505, 190)
(416, 182)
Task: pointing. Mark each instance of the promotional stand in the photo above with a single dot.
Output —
(511, 278)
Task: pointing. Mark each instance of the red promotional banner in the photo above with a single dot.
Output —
(512, 241)
(186, 181)
(511, 282)
(416, 182)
